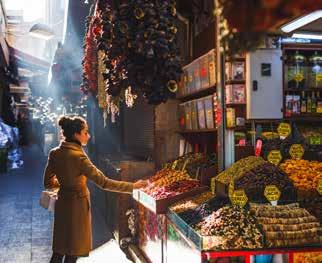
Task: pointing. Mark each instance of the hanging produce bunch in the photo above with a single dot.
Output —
(136, 42)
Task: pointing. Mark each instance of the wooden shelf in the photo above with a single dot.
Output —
(198, 94)
(300, 90)
(232, 82)
(236, 59)
(306, 118)
(197, 131)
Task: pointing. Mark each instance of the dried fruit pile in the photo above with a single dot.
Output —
(239, 169)
(175, 189)
(191, 203)
(227, 233)
(287, 225)
(255, 181)
(304, 174)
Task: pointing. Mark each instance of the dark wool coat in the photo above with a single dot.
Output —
(68, 168)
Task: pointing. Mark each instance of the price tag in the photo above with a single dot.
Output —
(284, 130)
(272, 193)
(239, 198)
(315, 140)
(319, 188)
(298, 77)
(274, 157)
(258, 148)
(296, 151)
(318, 77)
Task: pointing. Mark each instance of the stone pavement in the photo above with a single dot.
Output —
(26, 228)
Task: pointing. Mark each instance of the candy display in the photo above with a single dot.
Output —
(286, 225)
(191, 202)
(313, 204)
(229, 235)
(304, 174)
(174, 189)
(255, 181)
(239, 169)
(193, 216)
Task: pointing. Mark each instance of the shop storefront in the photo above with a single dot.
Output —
(245, 182)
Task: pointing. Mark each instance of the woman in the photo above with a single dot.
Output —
(68, 168)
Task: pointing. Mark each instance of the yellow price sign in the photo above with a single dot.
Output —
(298, 77)
(274, 157)
(319, 188)
(174, 164)
(284, 130)
(296, 151)
(318, 77)
(272, 193)
(239, 198)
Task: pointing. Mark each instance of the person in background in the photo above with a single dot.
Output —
(68, 169)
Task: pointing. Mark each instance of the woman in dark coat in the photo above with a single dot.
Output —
(68, 169)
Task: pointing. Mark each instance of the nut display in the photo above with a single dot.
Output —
(313, 257)
(239, 169)
(174, 189)
(304, 174)
(255, 181)
(191, 203)
(314, 206)
(229, 235)
(286, 225)
(193, 216)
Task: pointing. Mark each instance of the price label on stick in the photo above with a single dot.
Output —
(272, 193)
(296, 151)
(274, 157)
(239, 198)
(284, 130)
(319, 188)
(315, 140)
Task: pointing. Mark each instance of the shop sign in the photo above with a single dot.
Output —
(284, 130)
(239, 198)
(319, 188)
(315, 140)
(274, 157)
(296, 151)
(298, 77)
(318, 77)
(272, 193)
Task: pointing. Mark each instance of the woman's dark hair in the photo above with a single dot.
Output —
(71, 125)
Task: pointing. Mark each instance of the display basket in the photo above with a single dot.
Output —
(160, 206)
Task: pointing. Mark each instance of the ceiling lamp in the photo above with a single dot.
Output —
(41, 31)
(302, 21)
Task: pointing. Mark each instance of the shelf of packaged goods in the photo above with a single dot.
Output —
(232, 82)
(235, 104)
(306, 118)
(300, 90)
(205, 131)
(198, 94)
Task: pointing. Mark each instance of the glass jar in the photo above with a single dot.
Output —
(315, 71)
(296, 71)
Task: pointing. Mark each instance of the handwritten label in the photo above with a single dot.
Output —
(315, 140)
(296, 151)
(319, 188)
(239, 198)
(272, 193)
(284, 130)
(274, 157)
(298, 77)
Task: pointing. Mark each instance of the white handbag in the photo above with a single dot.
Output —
(48, 199)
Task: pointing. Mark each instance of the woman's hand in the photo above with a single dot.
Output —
(140, 184)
